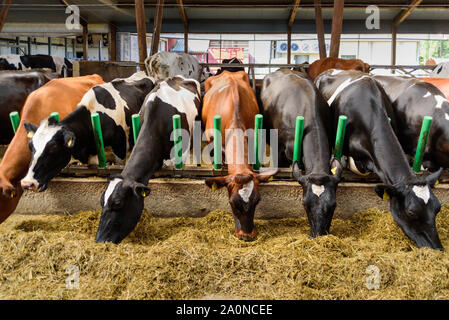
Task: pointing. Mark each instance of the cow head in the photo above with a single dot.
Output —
(231, 69)
(6, 65)
(122, 204)
(319, 196)
(243, 191)
(414, 208)
(50, 147)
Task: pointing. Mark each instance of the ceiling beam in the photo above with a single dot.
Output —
(182, 12)
(292, 17)
(401, 16)
(4, 12)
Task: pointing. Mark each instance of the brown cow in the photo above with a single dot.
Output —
(231, 96)
(322, 65)
(61, 95)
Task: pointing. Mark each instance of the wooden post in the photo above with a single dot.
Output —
(4, 12)
(337, 23)
(66, 47)
(393, 45)
(141, 32)
(320, 29)
(85, 36)
(29, 45)
(289, 44)
(186, 39)
(112, 42)
(157, 27)
(49, 46)
(183, 15)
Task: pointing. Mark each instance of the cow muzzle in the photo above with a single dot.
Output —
(242, 235)
(29, 185)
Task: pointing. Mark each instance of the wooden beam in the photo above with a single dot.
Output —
(4, 12)
(157, 27)
(320, 29)
(393, 45)
(141, 32)
(112, 42)
(337, 23)
(401, 16)
(289, 44)
(292, 17)
(182, 12)
(186, 39)
(85, 39)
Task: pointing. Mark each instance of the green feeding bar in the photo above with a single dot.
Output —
(258, 125)
(299, 130)
(98, 135)
(177, 141)
(136, 126)
(339, 140)
(15, 120)
(423, 136)
(217, 143)
(55, 116)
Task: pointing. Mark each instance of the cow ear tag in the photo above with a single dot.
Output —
(30, 134)
(386, 196)
(143, 194)
(436, 183)
(214, 186)
(270, 178)
(334, 170)
(69, 143)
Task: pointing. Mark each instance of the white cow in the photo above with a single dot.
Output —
(441, 70)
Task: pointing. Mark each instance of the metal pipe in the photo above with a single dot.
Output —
(217, 142)
(98, 135)
(177, 138)
(15, 120)
(299, 129)
(339, 140)
(55, 116)
(258, 125)
(419, 155)
(136, 126)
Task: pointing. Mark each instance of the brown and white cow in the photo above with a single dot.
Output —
(322, 65)
(60, 95)
(231, 96)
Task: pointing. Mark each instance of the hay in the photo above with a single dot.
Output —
(188, 258)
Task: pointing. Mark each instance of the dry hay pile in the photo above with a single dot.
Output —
(188, 258)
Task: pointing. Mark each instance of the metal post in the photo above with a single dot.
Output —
(98, 139)
(177, 138)
(15, 120)
(29, 45)
(298, 138)
(66, 49)
(55, 116)
(49, 46)
(100, 49)
(136, 126)
(425, 129)
(340, 137)
(217, 142)
(258, 124)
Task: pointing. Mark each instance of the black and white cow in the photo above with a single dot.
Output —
(230, 69)
(123, 199)
(53, 144)
(372, 144)
(287, 94)
(60, 65)
(15, 86)
(413, 99)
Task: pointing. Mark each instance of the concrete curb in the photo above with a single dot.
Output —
(191, 197)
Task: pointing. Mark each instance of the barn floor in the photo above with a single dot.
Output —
(189, 258)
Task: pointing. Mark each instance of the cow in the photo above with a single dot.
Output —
(230, 69)
(169, 64)
(373, 146)
(322, 65)
(285, 95)
(122, 202)
(53, 144)
(15, 86)
(60, 65)
(230, 96)
(441, 70)
(412, 99)
(58, 95)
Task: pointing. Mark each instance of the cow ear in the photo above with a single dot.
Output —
(141, 190)
(69, 138)
(266, 176)
(217, 182)
(30, 129)
(432, 179)
(336, 169)
(296, 172)
(385, 192)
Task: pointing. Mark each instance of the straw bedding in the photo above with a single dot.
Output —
(193, 258)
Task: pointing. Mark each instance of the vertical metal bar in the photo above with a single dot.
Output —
(98, 135)
(217, 142)
(136, 126)
(339, 140)
(49, 46)
(29, 45)
(299, 128)
(258, 125)
(100, 49)
(423, 136)
(15, 120)
(177, 141)
(66, 47)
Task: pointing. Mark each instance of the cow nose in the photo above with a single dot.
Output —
(29, 185)
(242, 235)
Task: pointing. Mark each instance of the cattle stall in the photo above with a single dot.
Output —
(184, 244)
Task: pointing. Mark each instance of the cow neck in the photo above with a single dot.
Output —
(316, 153)
(390, 162)
(79, 123)
(148, 153)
